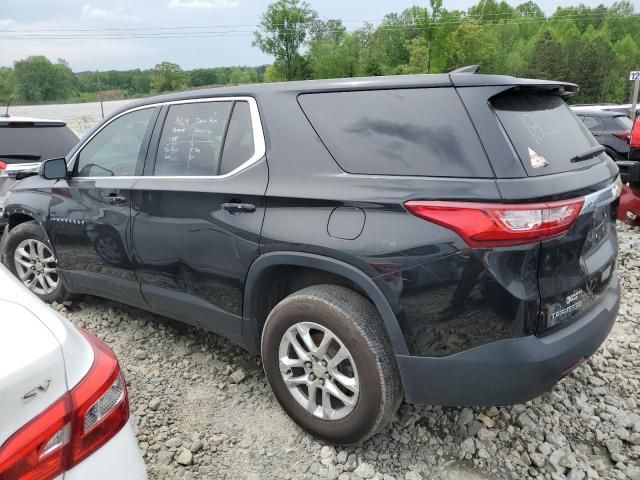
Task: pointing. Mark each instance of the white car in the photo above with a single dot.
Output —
(64, 408)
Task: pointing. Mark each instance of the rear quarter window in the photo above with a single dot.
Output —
(544, 132)
(416, 132)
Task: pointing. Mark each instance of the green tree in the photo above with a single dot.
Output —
(549, 60)
(7, 85)
(203, 76)
(40, 80)
(284, 29)
(168, 77)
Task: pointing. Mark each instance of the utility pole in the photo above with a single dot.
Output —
(634, 99)
(100, 94)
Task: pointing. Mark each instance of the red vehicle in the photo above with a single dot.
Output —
(629, 210)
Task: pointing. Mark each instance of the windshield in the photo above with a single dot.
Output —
(544, 132)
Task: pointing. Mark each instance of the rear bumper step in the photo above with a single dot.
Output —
(509, 371)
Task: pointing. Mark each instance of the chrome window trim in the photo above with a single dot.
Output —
(602, 197)
(259, 144)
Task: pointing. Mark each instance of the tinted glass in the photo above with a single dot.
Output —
(238, 146)
(544, 131)
(116, 149)
(36, 143)
(592, 123)
(622, 123)
(191, 139)
(398, 132)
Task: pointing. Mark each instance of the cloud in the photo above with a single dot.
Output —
(89, 11)
(202, 4)
(6, 23)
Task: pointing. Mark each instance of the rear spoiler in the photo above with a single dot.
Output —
(469, 77)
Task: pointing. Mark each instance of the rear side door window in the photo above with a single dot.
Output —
(118, 149)
(205, 139)
(192, 138)
(238, 146)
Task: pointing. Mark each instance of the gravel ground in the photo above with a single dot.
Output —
(202, 409)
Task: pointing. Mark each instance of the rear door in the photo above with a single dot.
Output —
(534, 131)
(198, 211)
(90, 213)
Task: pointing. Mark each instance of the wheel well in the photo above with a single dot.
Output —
(18, 218)
(280, 281)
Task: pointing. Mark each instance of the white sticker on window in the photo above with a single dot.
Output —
(537, 160)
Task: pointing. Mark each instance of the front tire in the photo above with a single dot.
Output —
(29, 255)
(330, 364)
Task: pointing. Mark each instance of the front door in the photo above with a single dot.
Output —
(90, 213)
(198, 212)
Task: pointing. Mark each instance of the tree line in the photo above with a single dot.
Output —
(36, 79)
(593, 47)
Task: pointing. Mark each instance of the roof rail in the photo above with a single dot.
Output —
(467, 69)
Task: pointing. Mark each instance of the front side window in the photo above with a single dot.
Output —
(115, 151)
(192, 138)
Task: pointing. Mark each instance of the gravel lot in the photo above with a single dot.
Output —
(202, 408)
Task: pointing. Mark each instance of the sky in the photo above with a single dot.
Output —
(148, 28)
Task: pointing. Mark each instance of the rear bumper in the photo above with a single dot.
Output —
(118, 459)
(509, 371)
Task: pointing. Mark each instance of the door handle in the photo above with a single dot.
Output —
(115, 199)
(234, 208)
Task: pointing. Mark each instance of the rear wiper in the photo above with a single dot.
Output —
(21, 156)
(592, 152)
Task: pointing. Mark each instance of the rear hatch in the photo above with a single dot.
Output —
(540, 151)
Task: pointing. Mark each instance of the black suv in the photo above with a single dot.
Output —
(447, 239)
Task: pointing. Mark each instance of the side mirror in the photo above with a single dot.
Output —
(54, 169)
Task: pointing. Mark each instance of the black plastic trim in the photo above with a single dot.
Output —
(250, 322)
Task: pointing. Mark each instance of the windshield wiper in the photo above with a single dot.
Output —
(21, 156)
(592, 152)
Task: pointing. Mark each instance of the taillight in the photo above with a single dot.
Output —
(634, 141)
(498, 224)
(75, 426)
(3, 166)
(623, 135)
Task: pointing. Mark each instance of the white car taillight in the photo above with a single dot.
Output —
(74, 427)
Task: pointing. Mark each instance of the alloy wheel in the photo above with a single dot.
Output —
(36, 266)
(319, 371)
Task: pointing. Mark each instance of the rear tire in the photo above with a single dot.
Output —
(353, 398)
(33, 239)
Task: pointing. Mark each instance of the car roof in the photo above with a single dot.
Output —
(36, 121)
(351, 84)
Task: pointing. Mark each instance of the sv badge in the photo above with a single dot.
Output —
(31, 394)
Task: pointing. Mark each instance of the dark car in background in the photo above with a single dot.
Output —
(447, 239)
(25, 142)
(611, 128)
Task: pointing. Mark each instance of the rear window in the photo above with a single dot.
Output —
(37, 143)
(544, 132)
(420, 132)
(622, 122)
